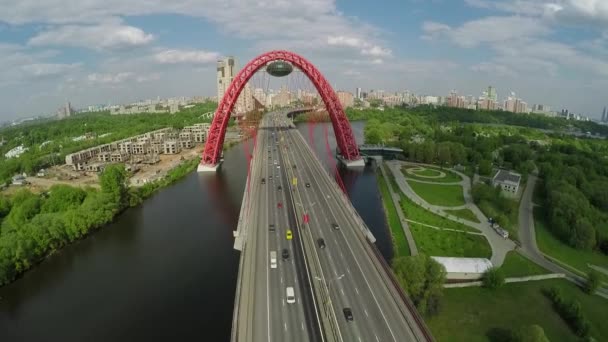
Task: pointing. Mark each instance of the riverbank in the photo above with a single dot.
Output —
(36, 226)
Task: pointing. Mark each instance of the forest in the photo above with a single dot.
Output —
(574, 170)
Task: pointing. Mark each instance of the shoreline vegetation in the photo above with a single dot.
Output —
(35, 227)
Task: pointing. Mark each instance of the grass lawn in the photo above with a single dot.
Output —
(516, 265)
(553, 247)
(450, 244)
(491, 211)
(428, 172)
(450, 177)
(469, 314)
(466, 214)
(400, 245)
(416, 213)
(437, 194)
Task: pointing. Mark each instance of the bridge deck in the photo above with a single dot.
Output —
(347, 268)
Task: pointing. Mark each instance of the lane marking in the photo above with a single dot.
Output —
(366, 314)
(377, 339)
(356, 290)
(285, 325)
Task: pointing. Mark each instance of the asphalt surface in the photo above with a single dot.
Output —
(349, 270)
(527, 236)
(264, 314)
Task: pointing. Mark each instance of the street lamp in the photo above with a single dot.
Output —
(331, 280)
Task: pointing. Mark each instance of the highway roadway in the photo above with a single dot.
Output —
(269, 316)
(346, 267)
(349, 270)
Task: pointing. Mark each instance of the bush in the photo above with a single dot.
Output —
(570, 312)
(531, 333)
(422, 278)
(493, 278)
(593, 281)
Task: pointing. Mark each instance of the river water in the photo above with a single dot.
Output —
(165, 270)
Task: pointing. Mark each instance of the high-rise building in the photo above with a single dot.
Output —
(604, 116)
(345, 98)
(492, 94)
(358, 94)
(66, 111)
(226, 70)
(456, 101)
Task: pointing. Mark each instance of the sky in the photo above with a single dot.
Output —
(552, 52)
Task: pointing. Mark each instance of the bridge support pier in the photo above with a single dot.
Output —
(208, 168)
(352, 164)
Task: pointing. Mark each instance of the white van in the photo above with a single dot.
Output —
(273, 259)
(291, 296)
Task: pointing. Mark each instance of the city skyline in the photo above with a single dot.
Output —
(551, 52)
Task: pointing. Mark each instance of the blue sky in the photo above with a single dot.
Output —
(552, 52)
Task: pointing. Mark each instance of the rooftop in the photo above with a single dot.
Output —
(503, 176)
(464, 265)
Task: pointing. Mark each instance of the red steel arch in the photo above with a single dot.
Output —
(344, 134)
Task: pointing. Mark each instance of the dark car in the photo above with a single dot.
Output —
(279, 188)
(270, 177)
(348, 314)
(294, 166)
(263, 180)
(335, 226)
(285, 254)
(271, 227)
(308, 185)
(321, 243)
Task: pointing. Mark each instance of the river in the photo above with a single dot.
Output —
(165, 270)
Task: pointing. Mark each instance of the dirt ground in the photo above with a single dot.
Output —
(64, 174)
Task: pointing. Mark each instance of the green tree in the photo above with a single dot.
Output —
(422, 278)
(5, 206)
(593, 281)
(531, 333)
(373, 136)
(113, 181)
(62, 198)
(493, 278)
(485, 167)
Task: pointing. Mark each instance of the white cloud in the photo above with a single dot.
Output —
(571, 11)
(344, 41)
(110, 35)
(486, 30)
(376, 51)
(186, 57)
(365, 48)
(47, 69)
(110, 78)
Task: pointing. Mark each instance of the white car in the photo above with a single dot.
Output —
(291, 297)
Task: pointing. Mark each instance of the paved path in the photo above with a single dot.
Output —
(440, 228)
(406, 228)
(527, 236)
(500, 246)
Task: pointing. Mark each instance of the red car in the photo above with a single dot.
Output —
(280, 205)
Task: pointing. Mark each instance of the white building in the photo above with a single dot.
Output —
(508, 181)
(15, 152)
(226, 70)
(464, 268)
